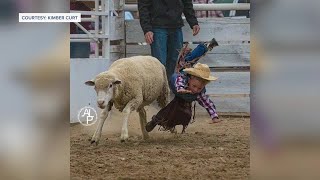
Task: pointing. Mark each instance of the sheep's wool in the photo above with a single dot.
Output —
(102, 81)
(143, 80)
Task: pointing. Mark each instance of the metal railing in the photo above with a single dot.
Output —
(98, 35)
(104, 11)
(203, 7)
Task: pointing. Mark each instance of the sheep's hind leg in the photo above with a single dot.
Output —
(131, 106)
(143, 122)
(124, 130)
(105, 113)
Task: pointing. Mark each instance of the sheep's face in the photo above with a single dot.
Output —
(104, 85)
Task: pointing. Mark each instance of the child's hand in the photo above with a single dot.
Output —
(215, 120)
(183, 91)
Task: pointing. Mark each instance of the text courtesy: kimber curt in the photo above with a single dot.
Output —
(49, 17)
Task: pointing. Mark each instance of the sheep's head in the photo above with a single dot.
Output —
(104, 84)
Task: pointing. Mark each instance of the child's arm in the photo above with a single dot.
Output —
(205, 102)
(180, 85)
(183, 91)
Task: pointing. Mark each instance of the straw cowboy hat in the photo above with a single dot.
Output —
(202, 71)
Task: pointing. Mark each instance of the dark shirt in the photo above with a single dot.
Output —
(165, 14)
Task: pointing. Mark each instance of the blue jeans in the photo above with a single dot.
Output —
(166, 46)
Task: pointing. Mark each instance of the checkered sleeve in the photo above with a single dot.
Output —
(205, 102)
(179, 82)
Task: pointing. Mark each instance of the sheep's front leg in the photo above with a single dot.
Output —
(105, 113)
(143, 122)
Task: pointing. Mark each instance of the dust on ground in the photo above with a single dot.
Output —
(205, 151)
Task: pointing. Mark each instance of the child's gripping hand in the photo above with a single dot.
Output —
(183, 91)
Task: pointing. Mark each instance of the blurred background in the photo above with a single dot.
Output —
(285, 89)
(34, 76)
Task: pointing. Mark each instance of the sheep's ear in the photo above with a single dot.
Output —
(89, 83)
(117, 82)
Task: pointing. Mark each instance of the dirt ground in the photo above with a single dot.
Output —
(205, 151)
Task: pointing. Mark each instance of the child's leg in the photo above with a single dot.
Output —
(152, 124)
(155, 120)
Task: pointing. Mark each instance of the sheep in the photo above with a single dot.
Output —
(129, 85)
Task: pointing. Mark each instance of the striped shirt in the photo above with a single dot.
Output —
(203, 99)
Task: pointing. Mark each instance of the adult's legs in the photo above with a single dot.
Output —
(175, 42)
(159, 45)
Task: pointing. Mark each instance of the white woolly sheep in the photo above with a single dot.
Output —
(129, 85)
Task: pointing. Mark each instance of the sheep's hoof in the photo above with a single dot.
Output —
(124, 138)
(96, 142)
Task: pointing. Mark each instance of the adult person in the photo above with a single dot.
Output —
(161, 22)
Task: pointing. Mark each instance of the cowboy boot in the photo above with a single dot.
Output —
(152, 124)
(213, 43)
